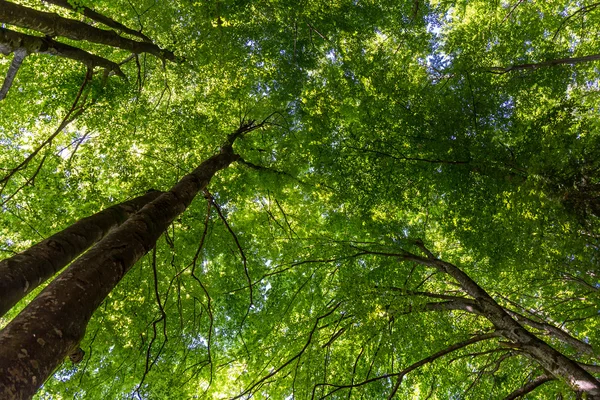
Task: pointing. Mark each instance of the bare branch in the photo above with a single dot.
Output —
(210, 198)
(584, 9)
(529, 387)
(11, 41)
(288, 362)
(93, 15)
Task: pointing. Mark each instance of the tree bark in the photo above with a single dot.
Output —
(25, 271)
(54, 25)
(93, 15)
(18, 57)
(11, 41)
(471, 306)
(549, 358)
(53, 324)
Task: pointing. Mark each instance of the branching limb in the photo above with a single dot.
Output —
(582, 10)
(400, 375)
(210, 198)
(529, 387)
(75, 111)
(54, 25)
(95, 16)
(11, 41)
(291, 360)
(163, 319)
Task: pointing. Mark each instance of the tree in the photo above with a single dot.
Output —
(301, 273)
(25, 271)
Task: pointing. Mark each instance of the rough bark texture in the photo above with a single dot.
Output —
(18, 57)
(11, 41)
(53, 324)
(549, 358)
(54, 25)
(93, 15)
(25, 271)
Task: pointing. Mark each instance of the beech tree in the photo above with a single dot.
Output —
(417, 216)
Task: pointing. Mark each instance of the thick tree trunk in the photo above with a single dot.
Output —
(25, 271)
(93, 15)
(54, 25)
(11, 41)
(53, 324)
(552, 360)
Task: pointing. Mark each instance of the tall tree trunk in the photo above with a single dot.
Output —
(11, 41)
(53, 324)
(25, 271)
(93, 15)
(54, 25)
(552, 360)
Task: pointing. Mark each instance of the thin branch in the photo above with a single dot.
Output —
(439, 354)
(511, 11)
(208, 298)
(400, 375)
(210, 198)
(529, 387)
(163, 318)
(71, 115)
(288, 362)
(584, 9)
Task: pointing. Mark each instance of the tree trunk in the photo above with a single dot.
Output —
(54, 25)
(11, 41)
(552, 360)
(53, 324)
(93, 15)
(25, 271)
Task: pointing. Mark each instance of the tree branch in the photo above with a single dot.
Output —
(19, 56)
(529, 387)
(11, 41)
(93, 15)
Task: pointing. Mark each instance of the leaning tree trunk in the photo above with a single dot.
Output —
(53, 324)
(25, 271)
(54, 25)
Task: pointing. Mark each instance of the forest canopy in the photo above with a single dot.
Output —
(299, 200)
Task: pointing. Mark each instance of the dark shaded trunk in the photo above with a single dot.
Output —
(18, 57)
(93, 15)
(53, 324)
(11, 41)
(54, 25)
(25, 271)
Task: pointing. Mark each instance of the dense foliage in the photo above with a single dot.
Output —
(472, 126)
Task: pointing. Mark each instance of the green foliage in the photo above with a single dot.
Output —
(385, 125)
